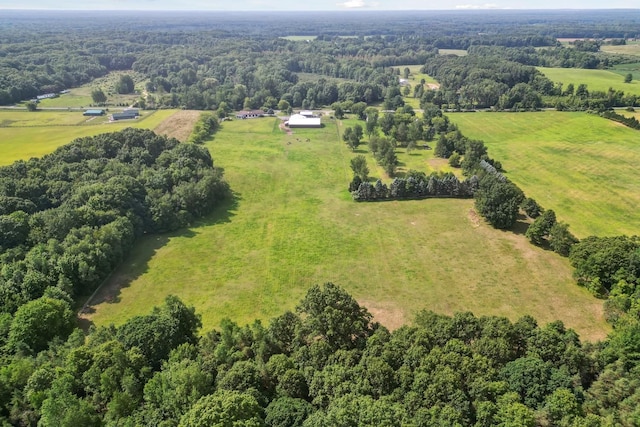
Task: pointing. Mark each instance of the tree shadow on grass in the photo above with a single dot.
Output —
(142, 252)
(520, 226)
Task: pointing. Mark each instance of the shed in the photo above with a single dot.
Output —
(306, 113)
(125, 115)
(93, 113)
(300, 121)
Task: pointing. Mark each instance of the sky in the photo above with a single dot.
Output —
(298, 5)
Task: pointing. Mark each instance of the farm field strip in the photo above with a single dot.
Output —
(293, 224)
(582, 166)
(596, 80)
(40, 135)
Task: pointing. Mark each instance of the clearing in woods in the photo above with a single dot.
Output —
(179, 125)
(293, 224)
(582, 166)
(600, 80)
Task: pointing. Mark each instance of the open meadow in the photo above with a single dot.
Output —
(293, 224)
(600, 80)
(32, 134)
(582, 166)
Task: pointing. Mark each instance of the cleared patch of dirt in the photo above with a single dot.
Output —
(433, 86)
(390, 317)
(178, 125)
(285, 129)
(437, 163)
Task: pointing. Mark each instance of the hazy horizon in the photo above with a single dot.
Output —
(318, 5)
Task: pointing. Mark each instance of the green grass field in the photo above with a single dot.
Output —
(631, 48)
(582, 166)
(32, 134)
(293, 224)
(80, 97)
(600, 80)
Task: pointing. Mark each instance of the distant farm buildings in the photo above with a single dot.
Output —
(303, 121)
(93, 113)
(251, 114)
(127, 114)
(46, 96)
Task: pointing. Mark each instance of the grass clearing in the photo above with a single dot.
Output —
(80, 97)
(596, 80)
(582, 166)
(299, 38)
(456, 52)
(293, 224)
(33, 134)
(631, 48)
(179, 125)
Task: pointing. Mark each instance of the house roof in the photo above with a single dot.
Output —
(300, 120)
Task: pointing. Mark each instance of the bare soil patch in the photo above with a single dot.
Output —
(433, 86)
(437, 163)
(386, 314)
(285, 129)
(179, 125)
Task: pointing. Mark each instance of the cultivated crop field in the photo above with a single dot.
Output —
(32, 134)
(293, 224)
(600, 80)
(582, 166)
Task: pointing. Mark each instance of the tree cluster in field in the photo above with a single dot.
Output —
(417, 185)
(326, 364)
(69, 218)
(610, 267)
(206, 126)
(631, 122)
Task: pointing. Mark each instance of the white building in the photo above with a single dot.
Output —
(300, 121)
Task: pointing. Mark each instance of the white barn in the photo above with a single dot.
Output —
(300, 121)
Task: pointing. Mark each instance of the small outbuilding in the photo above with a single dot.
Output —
(125, 115)
(300, 121)
(93, 113)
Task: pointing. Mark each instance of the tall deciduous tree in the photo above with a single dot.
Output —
(98, 96)
(359, 167)
(498, 201)
(329, 313)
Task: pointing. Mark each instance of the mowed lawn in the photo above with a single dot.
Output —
(596, 80)
(32, 134)
(293, 224)
(582, 166)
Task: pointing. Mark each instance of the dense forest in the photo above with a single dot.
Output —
(231, 64)
(326, 364)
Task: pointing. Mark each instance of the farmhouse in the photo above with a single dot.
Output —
(300, 121)
(250, 114)
(93, 113)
